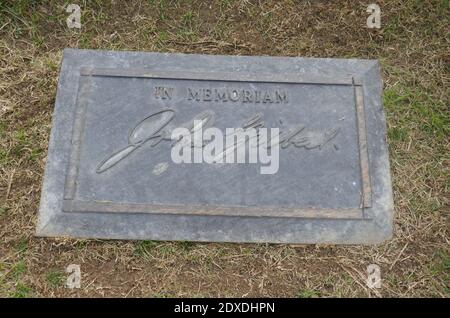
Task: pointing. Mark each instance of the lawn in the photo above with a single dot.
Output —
(413, 49)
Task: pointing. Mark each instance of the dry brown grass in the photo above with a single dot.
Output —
(413, 49)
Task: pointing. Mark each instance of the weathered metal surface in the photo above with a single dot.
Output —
(109, 172)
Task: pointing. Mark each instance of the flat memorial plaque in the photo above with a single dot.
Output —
(116, 168)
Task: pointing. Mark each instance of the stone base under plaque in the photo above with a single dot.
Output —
(104, 180)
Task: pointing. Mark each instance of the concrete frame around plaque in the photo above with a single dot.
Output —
(338, 193)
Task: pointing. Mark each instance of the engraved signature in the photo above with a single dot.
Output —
(154, 128)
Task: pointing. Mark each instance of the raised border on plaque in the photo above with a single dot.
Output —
(71, 204)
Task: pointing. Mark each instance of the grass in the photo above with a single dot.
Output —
(432, 114)
(307, 294)
(412, 46)
(55, 278)
(3, 210)
(18, 270)
(21, 291)
(22, 245)
(11, 283)
(144, 247)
